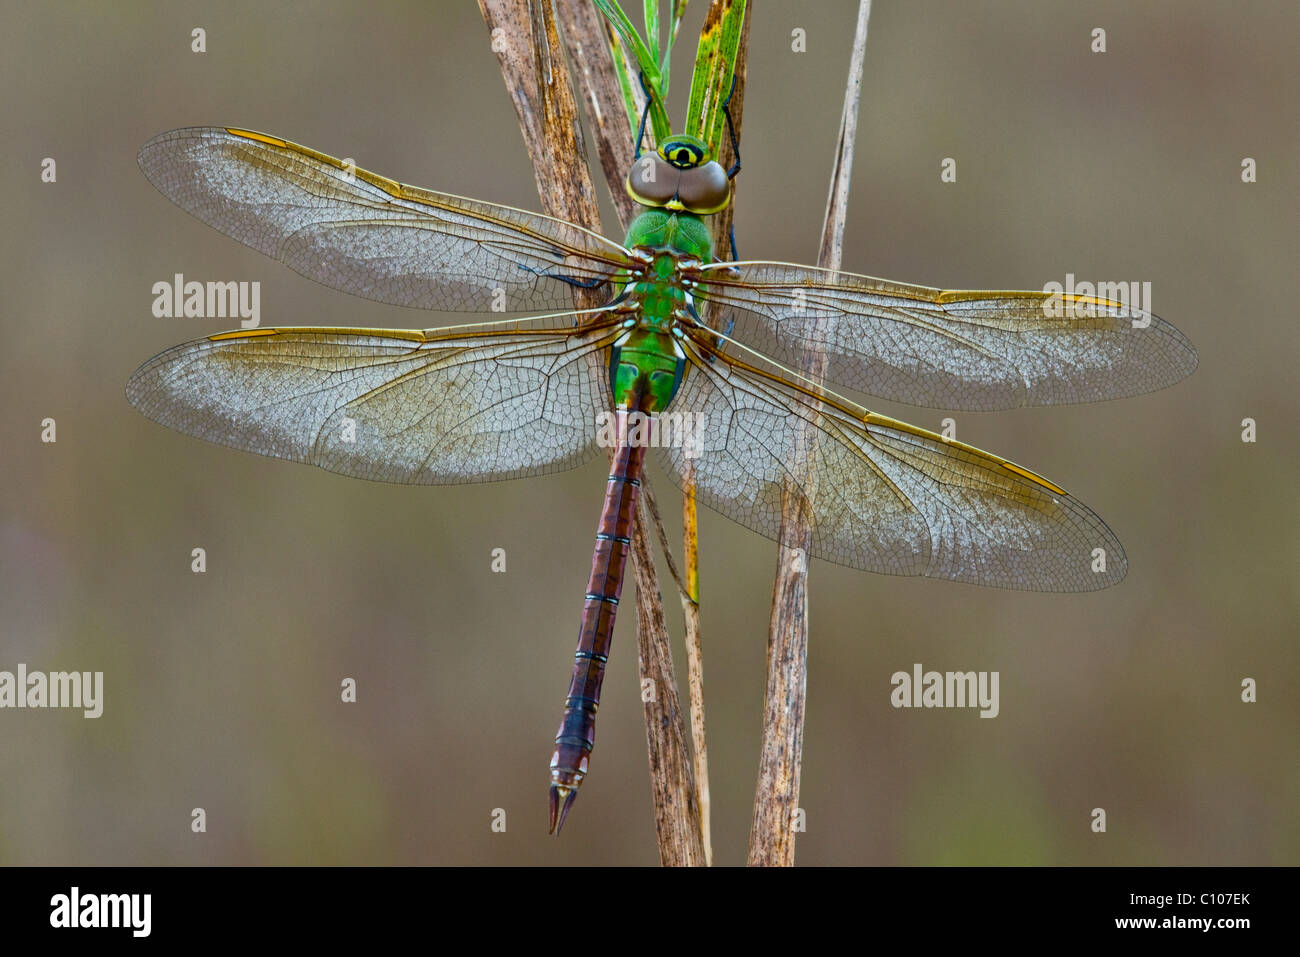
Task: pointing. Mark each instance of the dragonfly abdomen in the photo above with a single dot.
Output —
(577, 732)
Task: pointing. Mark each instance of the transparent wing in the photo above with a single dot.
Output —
(949, 350)
(362, 233)
(430, 408)
(885, 496)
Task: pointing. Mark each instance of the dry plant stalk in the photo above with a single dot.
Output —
(537, 78)
(586, 35)
(690, 595)
(772, 836)
(720, 228)
(533, 65)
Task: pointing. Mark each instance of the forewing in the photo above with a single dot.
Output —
(950, 350)
(436, 408)
(371, 236)
(884, 496)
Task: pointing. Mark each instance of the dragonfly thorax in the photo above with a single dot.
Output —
(680, 233)
(669, 245)
(646, 364)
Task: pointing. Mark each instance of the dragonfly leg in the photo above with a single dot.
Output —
(576, 283)
(711, 355)
(570, 280)
(645, 111)
(735, 143)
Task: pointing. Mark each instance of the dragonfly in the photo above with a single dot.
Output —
(555, 382)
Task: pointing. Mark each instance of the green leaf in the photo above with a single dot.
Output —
(715, 65)
(644, 61)
(679, 11)
(626, 79)
(651, 8)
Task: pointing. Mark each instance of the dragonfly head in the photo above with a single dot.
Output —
(680, 176)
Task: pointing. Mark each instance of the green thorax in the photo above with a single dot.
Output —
(646, 365)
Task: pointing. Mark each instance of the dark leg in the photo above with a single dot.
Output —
(735, 144)
(640, 133)
(576, 283)
(570, 280)
(735, 151)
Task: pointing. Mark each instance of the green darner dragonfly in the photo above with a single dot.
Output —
(529, 396)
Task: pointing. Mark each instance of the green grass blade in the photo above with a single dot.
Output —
(679, 11)
(665, 62)
(644, 61)
(715, 64)
(651, 8)
(627, 82)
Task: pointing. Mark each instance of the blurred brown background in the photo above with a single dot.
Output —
(222, 688)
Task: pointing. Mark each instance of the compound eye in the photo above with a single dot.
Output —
(705, 189)
(652, 181)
